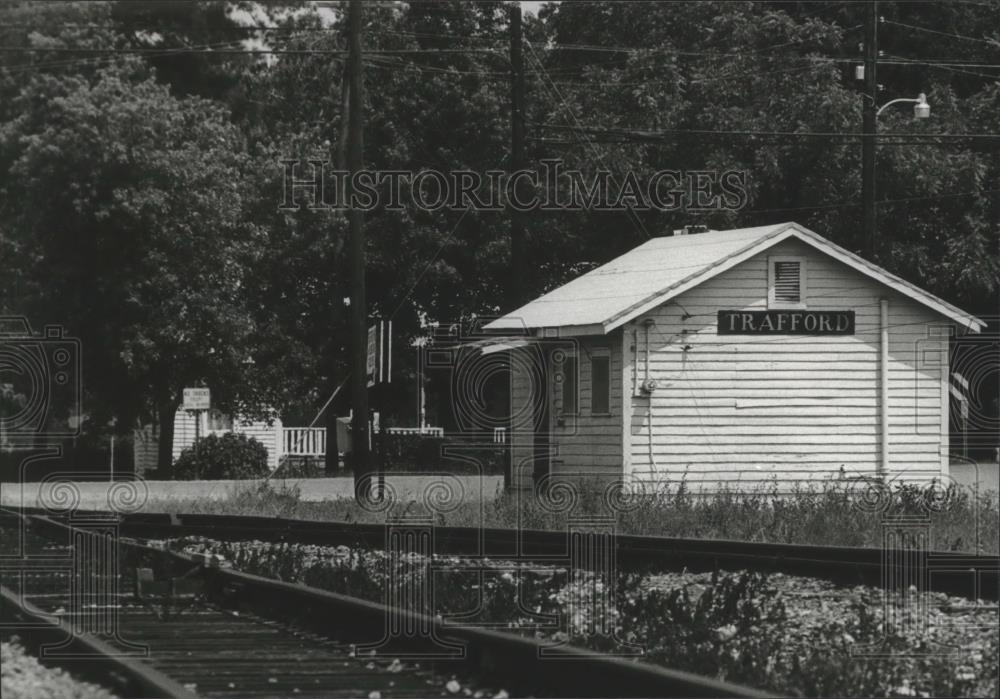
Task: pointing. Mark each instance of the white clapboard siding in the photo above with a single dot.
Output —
(580, 443)
(523, 394)
(587, 442)
(780, 479)
(753, 408)
(185, 431)
(267, 434)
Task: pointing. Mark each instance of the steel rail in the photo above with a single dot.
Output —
(85, 656)
(525, 665)
(961, 574)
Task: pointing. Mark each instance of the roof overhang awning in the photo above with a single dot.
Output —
(497, 344)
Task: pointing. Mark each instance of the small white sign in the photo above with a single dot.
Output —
(197, 399)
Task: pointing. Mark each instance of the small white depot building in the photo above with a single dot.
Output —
(735, 358)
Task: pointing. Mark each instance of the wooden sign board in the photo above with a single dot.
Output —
(791, 322)
(197, 399)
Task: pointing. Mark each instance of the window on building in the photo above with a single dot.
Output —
(787, 282)
(600, 382)
(570, 380)
(218, 421)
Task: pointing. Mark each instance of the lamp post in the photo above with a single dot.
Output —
(921, 110)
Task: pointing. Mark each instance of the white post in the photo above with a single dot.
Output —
(422, 417)
(884, 385)
(279, 442)
(197, 436)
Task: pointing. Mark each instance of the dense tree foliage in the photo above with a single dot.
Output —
(141, 145)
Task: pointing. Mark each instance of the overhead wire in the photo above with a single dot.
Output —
(660, 133)
(555, 90)
(97, 60)
(983, 40)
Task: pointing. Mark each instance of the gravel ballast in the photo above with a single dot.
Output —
(23, 677)
(788, 634)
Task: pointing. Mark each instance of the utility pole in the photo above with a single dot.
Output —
(356, 250)
(518, 288)
(331, 461)
(869, 107)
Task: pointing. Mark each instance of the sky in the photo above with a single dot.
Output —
(254, 13)
(531, 7)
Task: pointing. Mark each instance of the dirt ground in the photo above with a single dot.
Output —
(89, 495)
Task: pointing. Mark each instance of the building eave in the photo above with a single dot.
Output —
(699, 277)
(819, 243)
(780, 233)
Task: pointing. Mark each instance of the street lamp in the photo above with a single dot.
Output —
(921, 110)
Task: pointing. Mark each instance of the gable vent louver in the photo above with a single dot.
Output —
(787, 282)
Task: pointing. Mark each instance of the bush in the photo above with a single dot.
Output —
(231, 456)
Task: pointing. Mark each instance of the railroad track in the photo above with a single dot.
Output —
(170, 625)
(959, 574)
(88, 657)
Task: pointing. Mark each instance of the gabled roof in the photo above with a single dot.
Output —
(662, 268)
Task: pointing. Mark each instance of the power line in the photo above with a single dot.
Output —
(990, 42)
(97, 60)
(962, 71)
(555, 90)
(952, 67)
(264, 51)
(958, 63)
(848, 204)
(657, 135)
(111, 25)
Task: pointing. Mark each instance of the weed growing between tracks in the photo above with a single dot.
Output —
(785, 634)
(806, 515)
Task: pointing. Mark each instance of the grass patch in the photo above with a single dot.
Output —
(832, 514)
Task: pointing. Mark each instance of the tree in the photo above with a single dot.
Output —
(709, 75)
(140, 196)
(130, 200)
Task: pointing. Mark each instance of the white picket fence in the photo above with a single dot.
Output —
(303, 441)
(311, 441)
(429, 431)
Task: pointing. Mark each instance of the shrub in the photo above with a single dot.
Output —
(231, 456)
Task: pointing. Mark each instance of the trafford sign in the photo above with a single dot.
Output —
(786, 322)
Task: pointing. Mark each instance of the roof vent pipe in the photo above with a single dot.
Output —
(691, 229)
